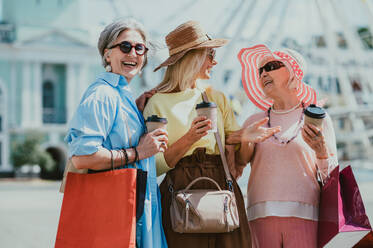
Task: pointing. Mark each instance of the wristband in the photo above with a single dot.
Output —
(136, 155)
(121, 158)
(125, 156)
(112, 160)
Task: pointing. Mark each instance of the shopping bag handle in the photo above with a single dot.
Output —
(129, 137)
(222, 151)
(202, 178)
(319, 174)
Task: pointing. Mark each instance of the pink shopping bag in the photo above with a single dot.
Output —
(342, 218)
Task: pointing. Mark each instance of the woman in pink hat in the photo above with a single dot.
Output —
(193, 151)
(283, 190)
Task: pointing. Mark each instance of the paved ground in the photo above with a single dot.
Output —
(29, 212)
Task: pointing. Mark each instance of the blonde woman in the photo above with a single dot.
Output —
(192, 151)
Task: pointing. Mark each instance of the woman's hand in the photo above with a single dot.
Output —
(177, 150)
(143, 99)
(152, 143)
(199, 128)
(313, 136)
(253, 133)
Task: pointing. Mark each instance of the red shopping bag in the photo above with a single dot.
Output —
(98, 210)
(342, 218)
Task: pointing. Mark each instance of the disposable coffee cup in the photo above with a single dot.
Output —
(314, 115)
(209, 109)
(153, 122)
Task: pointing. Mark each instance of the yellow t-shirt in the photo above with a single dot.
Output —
(179, 109)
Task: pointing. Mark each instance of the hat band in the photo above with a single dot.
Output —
(188, 45)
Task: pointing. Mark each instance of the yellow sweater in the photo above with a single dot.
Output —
(179, 109)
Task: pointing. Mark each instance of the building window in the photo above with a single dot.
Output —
(48, 95)
(366, 37)
(227, 76)
(48, 102)
(320, 83)
(342, 122)
(338, 86)
(371, 140)
(356, 86)
(319, 41)
(342, 43)
(54, 93)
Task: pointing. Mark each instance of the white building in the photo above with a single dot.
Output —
(48, 56)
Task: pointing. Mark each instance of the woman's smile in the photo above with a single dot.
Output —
(268, 82)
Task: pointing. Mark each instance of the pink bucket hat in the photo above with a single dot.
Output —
(250, 59)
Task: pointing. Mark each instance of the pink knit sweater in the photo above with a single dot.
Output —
(287, 173)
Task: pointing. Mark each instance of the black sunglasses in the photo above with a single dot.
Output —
(126, 47)
(270, 66)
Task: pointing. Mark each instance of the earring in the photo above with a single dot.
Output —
(108, 68)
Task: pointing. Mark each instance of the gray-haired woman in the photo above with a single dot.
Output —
(108, 121)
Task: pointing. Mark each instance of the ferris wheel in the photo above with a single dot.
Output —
(334, 36)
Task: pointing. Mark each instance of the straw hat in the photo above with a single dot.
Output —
(250, 59)
(186, 37)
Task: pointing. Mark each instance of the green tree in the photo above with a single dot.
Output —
(29, 151)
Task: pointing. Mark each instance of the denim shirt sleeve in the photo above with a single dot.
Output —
(91, 123)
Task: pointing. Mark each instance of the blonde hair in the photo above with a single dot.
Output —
(183, 73)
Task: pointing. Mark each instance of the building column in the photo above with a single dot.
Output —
(70, 91)
(83, 83)
(4, 134)
(26, 95)
(37, 95)
(76, 85)
(6, 148)
(313, 72)
(1, 11)
(13, 93)
(369, 7)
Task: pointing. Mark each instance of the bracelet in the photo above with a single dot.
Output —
(121, 158)
(323, 157)
(136, 155)
(125, 156)
(112, 161)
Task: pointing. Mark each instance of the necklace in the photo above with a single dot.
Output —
(285, 111)
(282, 141)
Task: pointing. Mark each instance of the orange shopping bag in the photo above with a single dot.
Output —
(98, 210)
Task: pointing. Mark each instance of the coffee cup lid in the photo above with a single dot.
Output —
(206, 105)
(314, 111)
(155, 118)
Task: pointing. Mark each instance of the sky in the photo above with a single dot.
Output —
(257, 20)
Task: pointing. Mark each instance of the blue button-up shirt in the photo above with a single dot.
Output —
(107, 116)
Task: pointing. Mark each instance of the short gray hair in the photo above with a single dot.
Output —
(111, 32)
